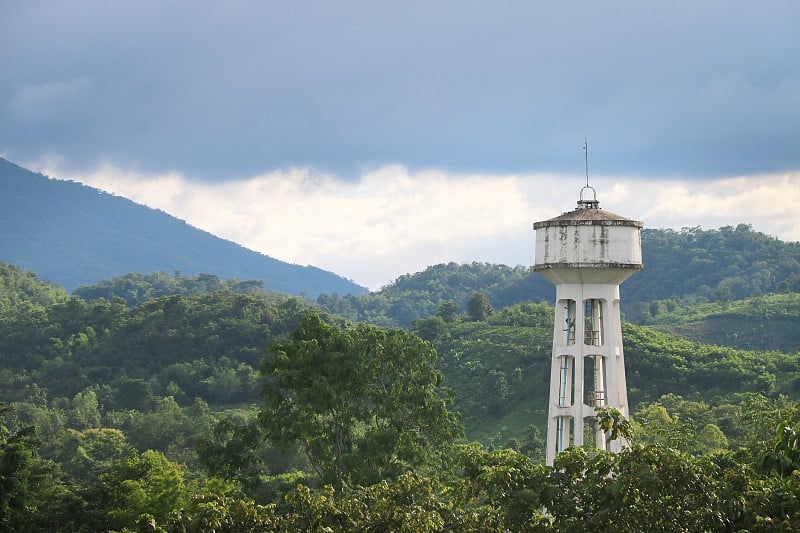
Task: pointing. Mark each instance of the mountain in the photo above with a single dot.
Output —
(77, 235)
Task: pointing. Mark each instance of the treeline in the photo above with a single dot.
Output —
(706, 265)
(691, 266)
(207, 346)
(136, 288)
(656, 487)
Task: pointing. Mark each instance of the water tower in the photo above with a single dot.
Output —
(586, 253)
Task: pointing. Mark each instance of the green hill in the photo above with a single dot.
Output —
(767, 322)
(692, 265)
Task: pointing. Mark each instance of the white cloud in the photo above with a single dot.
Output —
(388, 216)
(767, 202)
(395, 221)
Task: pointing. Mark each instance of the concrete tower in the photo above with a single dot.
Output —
(586, 253)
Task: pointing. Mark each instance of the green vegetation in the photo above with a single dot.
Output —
(149, 402)
(704, 265)
(363, 404)
(137, 288)
(692, 266)
(688, 267)
(765, 322)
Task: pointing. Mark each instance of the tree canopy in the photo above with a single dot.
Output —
(363, 403)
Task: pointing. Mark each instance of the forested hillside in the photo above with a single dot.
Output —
(137, 288)
(691, 266)
(766, 322)
(169, 411)
(705, 265)
(77, 235)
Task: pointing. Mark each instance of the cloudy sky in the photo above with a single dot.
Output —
(375, 139)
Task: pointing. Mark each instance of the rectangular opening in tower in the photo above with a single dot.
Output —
(564, 433)
(566, 317)
(594, 380)
(593, 436)
(566, 378)
(593, 322)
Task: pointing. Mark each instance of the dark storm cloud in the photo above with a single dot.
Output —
(226, 89)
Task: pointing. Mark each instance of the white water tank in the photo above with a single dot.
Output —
(588, 245)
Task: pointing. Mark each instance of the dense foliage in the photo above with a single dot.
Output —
(687, 267)
(765, 322)
(363, 403)
(137, 288)
(146, 413)
(704, 265)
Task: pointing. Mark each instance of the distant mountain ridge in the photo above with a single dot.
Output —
(77, 235)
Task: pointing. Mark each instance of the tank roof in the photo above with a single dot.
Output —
(588, 212)
(589, 215)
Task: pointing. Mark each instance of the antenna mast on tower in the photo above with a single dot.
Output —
(586, 149)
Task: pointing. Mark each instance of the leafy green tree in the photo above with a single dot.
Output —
(723, 296)
(615, 425)
(87, 454)
(363, 403)
(85, 410)
(711, 439)
(478, 307)
(231, 449)
(497, 392)
(448, 311)
(654, 425)
(223, 514)
(137, 486)
(534, 443)
(431, 328)
(408, 504)
(165, 427)
(783, 456)
(17, 449)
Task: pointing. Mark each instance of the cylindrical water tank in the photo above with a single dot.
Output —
(588, 245)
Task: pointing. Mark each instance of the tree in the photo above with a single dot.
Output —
(138, 486)
(430, 328)
(711, 439)
(85, 410)
(230, 450)
(497, 392)
(479, 307)
(87, 454)
(17, 449)
(723, 296)
(363, 403)
(448, 310)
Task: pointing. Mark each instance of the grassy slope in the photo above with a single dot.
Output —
(657, 363)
